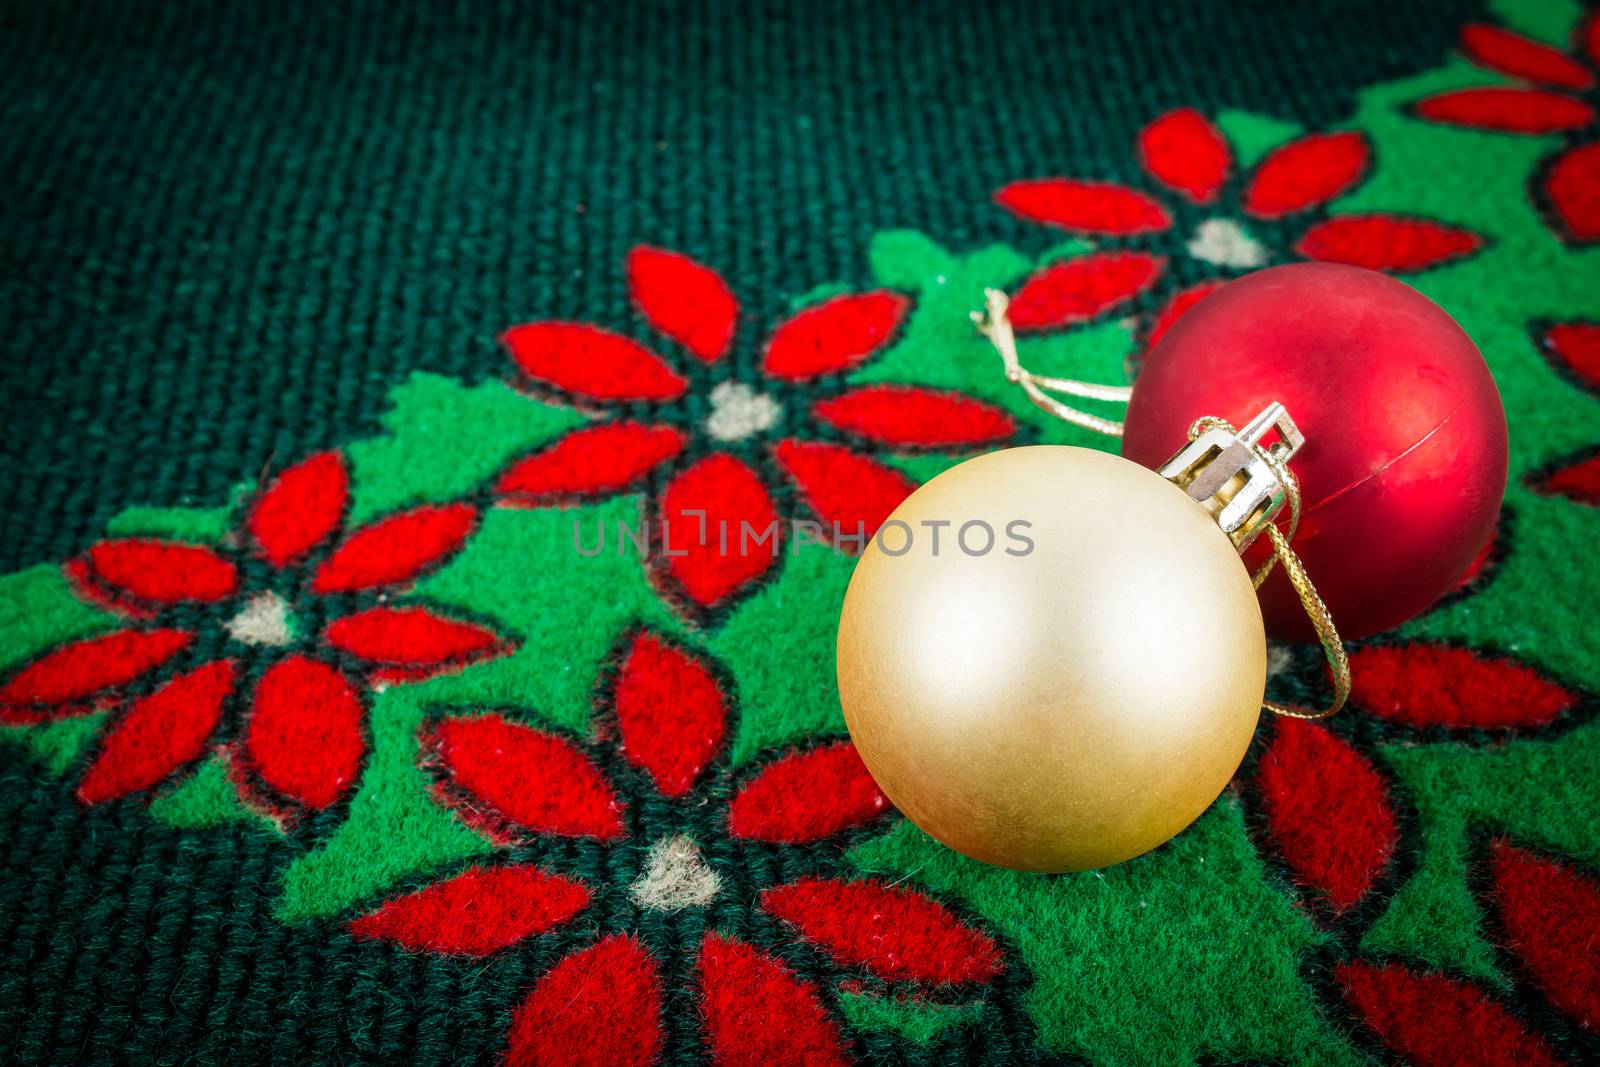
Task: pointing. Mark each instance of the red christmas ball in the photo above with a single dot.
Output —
(1404, 464)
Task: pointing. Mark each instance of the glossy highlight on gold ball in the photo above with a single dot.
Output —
(1063, 708)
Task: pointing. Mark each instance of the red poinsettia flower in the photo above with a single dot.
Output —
(1201, 222)
(1562, 97)
(710, 437)
(571, 810)
(287, 621)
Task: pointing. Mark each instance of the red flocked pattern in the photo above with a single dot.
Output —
(671, 712)
(84, 668)
(848, 491)
(807, 796)
(595, 459)
(301, 508)
(914, 417)
(597, 1008)
(161, 572)
(1434, 1021)
(1507, 109)
(592, 363)
(1185, 152)
(757, 1013)
(1572, 185)
(531, 779)
(305, 737)
(730, 495)
(1513, 54)
(1078, 289)
(897, 934)
(479, 911)
(1327, 810)
(1305, 173)
(1423, 685)
(1577, 345)
(159, 734)
(1383, 242)
(1579, 481)
(1551, 915)
(1590, 36)
(1091, 207)
(834, 336)
(1176, 307)
(686, 301)
(410, 637)
(395, 549)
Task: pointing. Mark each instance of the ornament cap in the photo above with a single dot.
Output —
(1233, 476)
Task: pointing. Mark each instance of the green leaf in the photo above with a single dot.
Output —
(446, 440)
(1180, 954)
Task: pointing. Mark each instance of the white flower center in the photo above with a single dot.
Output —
(1225, 243)
(264, 620)
(738, 411)
(675, 877)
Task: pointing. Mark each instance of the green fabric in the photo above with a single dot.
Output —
(239, 236)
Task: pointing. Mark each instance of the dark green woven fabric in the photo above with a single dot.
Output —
(231, 232)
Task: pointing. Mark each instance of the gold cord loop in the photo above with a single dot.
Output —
(1316, 610)
(996, 326)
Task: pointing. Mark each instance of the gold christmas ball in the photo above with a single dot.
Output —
(1069, 693)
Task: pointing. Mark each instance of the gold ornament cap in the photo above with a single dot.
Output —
(1228, 472)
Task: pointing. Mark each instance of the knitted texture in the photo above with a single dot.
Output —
(438, 443)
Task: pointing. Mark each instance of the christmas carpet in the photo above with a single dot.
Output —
(347, 348)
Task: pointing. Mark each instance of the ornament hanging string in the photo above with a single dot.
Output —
(996, 326)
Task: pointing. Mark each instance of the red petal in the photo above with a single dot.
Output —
(1576, 345)
(477, 912)
(671, 711)
(1175, 308)
(592, 363)
(1185, 152)
(757, 1012)
(597, 1008)
(395, 550)
(912, 416)
(897, 934)
(688, 302)
(1386, 242)
(1513, 54)
(84, 668)
(1578, 481)
(1590, 34)
(1328, 811)
(304, 737)
(1572, 187)
(160, 572)
(1507, 110)
(807, 796)
(850, 493)
(301, 508)
(1078, 289)
(1090, 207)
(531, 779)
(1434, 1021)
(411, 638)
(593, 461)
(834, 336)
(1307, 172)
(1423, 685)
(159, 734)
(733, 501)
(1551, 915)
